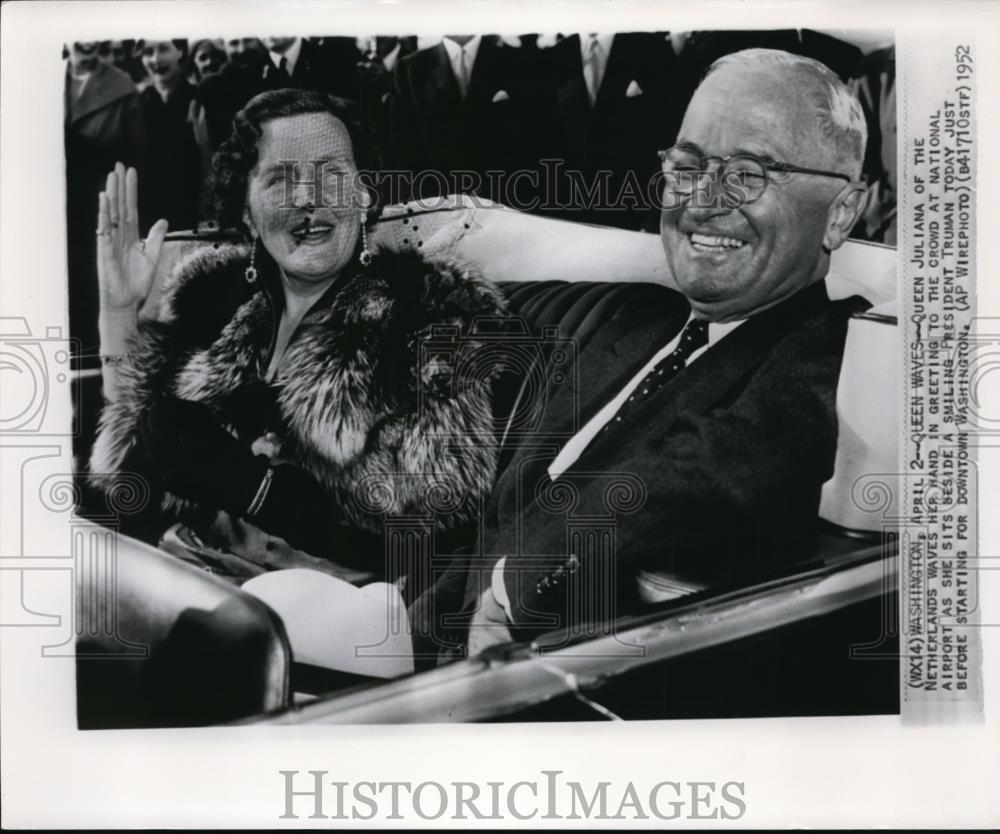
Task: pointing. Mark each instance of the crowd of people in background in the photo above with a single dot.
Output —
(574, 122)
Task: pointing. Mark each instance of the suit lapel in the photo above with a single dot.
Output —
(606, 363)
(617, 356)
(441, 85)
(104, 87)
(303, 67)
(600, 372)
(571, 93)
(483, 72)
(706, 380)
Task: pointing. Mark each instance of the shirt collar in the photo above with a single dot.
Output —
(389, 61)
(604, 40)
(717, 330)
(291, 55)
(455, 51)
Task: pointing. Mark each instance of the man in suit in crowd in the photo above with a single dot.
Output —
(329, 65)
(325, 64)
(613, 102)
(876, 88)
(221, 95)
(375, 77)
(466, 104)
(692, 448)
(103, 125)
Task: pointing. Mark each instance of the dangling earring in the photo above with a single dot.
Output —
(251, 273)
(365, 257)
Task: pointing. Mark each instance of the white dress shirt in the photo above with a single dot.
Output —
(389, 61)
(291, 56)
(462, 59)
(593, 72)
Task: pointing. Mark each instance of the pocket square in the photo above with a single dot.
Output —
(500, 95)
(633, 90)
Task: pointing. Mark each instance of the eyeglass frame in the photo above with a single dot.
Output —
(766, 166)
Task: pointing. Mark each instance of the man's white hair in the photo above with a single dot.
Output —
(838, 108)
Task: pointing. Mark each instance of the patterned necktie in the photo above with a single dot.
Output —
(693, 337)
(590, 69)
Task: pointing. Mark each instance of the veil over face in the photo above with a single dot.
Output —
(303, 198)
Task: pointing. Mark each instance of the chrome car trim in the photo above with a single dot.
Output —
(518, 675)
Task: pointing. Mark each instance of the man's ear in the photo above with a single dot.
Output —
(844, 212)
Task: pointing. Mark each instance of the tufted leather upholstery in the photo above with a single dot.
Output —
(556, 312)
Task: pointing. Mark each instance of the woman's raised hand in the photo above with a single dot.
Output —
(126, 264)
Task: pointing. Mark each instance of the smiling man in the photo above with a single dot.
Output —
(706, 428)
(747, 236)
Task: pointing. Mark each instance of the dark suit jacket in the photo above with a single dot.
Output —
(876, 89)
(436, 129)
(375, 82)
(620, 133)
(223, 94)
(171, 161)
(103, 125)
(326, 64)
(715, 478)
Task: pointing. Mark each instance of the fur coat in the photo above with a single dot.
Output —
(383, 395)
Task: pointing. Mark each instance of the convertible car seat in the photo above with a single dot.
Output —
(209, 652)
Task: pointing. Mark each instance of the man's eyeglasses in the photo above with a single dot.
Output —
(739, 179)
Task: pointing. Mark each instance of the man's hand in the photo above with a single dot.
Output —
(488, 626)
(197, 458)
